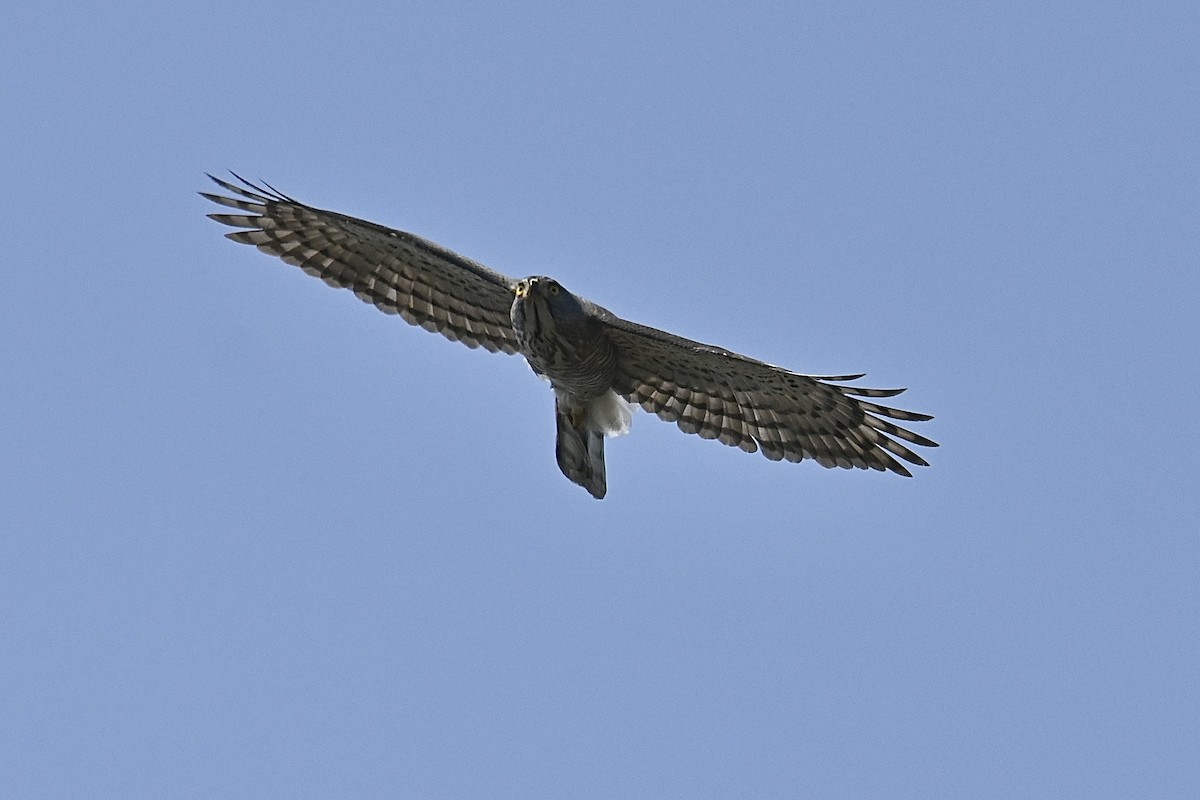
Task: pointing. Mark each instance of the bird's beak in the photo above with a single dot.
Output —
(521, 289)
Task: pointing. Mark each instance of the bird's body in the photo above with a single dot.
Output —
(563, 340)
(595, 361)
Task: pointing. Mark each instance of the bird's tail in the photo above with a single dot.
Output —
(579, 444)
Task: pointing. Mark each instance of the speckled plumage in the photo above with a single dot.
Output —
(591, 356)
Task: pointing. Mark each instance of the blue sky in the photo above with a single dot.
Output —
(259, 540)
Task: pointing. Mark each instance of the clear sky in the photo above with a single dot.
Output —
(259, 540)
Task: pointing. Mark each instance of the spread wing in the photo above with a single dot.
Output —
(399, 273)
(752, 405)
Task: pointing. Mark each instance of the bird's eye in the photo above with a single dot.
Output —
(554, 288)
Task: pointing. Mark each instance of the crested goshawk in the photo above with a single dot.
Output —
(596, 362)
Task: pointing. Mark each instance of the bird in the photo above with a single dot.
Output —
(599, 365)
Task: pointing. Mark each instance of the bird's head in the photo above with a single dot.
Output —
(544, 299)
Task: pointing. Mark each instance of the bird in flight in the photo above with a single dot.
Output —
(597, 363)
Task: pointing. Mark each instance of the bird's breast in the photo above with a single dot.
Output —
(577, 359)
